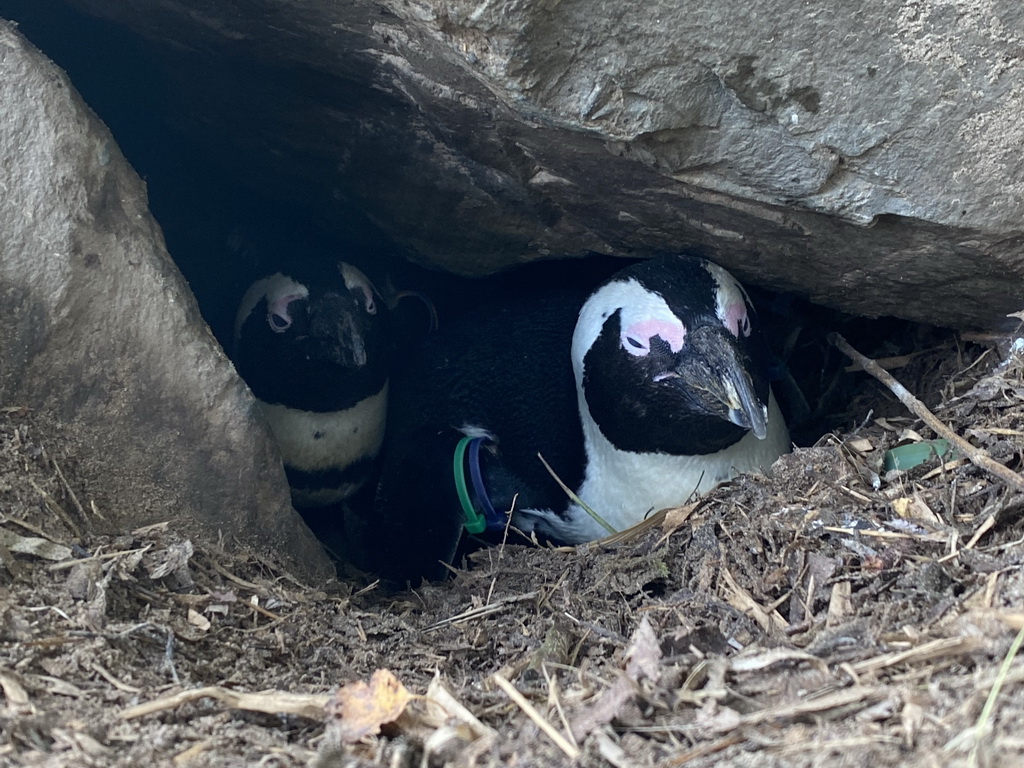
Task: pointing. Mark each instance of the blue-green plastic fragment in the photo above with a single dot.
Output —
(914, 454)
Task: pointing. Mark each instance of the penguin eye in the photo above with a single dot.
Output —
(278, 312)
(634, 346)
(363, 296)
(278, 323)
(653, 334)
(745, 325)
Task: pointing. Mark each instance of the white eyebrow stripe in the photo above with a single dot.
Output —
(273, 287)
(355, 279)
(728, 292)
(637, 304)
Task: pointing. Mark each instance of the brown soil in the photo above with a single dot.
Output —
(832, 615)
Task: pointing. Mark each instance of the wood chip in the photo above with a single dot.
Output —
(15, 693)
(840, 604)
(743, 601)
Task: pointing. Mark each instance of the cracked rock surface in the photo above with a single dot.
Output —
(864, 158)
(103, 339)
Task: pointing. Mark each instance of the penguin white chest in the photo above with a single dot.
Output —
(328, 443)
(624, 487)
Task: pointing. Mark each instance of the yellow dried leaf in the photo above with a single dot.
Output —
(676, 516)
(861, 445)
(915, 509)
(359, 709)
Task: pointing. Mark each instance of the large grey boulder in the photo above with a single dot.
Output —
(863, 155)
(103, 339)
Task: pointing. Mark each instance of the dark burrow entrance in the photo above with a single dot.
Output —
(229, 217)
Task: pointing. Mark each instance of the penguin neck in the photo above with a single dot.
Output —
(623, 487)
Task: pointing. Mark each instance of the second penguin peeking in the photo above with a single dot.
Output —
(314, 344)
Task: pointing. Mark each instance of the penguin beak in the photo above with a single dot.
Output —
(332, 324)
(745, 409)
(720, 375)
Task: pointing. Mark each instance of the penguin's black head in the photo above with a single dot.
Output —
(668, 359)
(321, 344)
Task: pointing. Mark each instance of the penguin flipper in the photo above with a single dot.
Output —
(417, 520)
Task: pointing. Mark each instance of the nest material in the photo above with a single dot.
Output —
(833, 613)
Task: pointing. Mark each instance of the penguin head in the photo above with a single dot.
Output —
(318, 343)
(668, 359)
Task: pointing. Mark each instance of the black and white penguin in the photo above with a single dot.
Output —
(316, 351)
(651, 390)
(672, 391)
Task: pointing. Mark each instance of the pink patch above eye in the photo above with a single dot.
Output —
(736, 319)
(280, 307)
(672, 333)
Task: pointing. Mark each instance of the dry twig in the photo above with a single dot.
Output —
(57, 509)
(702, 750)
(552, 733)
(743, 601)
(977, 456)
(944, 647)
(308, 705)
(984, 723)
(483, 610)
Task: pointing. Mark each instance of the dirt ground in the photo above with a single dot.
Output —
(833, 615)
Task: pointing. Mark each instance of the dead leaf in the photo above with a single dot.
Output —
(643, 658)
(32, 545)
(172, 563)
(915, 508)
(910, 435)
(676, 516)
(359, 709)
(609, 705)
(15, 694)
(860, 445)
(717, 718)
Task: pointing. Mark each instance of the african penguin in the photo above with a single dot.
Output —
(647, 391)
(316, 352)
(672, 392)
